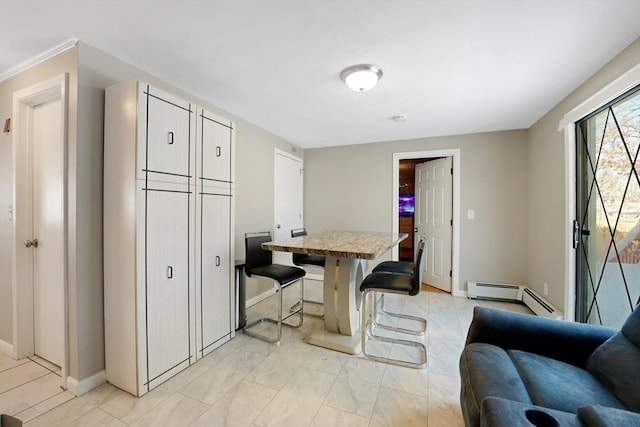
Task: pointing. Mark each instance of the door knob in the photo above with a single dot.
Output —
(30, 243)
(278, 226)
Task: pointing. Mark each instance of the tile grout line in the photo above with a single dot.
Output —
(31, 380)
(26, 360)
(45, 367)
(42, 401)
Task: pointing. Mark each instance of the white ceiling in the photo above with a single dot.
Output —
(452, 67)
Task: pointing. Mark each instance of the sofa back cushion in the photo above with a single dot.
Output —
(616, 363)
(631, 327)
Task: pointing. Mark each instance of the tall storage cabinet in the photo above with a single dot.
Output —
(167, 235)
(214, 205)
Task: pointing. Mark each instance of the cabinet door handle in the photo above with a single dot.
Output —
(169, 272)
(170, 138)
(217, 261)
(218, 151)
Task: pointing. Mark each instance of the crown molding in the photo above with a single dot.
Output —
(41, 57)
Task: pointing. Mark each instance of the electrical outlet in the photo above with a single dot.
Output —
(545, 288)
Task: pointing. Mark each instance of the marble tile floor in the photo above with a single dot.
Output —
(30, 387)
(247, 382)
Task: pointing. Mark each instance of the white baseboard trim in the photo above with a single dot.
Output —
(266, 294)
(460, 294)
(6, 348)
(81, 387)
(314, 276)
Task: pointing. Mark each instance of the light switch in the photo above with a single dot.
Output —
(471, 214)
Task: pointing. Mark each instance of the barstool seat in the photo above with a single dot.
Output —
(395, 267)
(283, 274)
(259, 264)
(402, 284)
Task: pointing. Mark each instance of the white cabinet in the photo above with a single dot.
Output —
(214, 202)
(168, 250)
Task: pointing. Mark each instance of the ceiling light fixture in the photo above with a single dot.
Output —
(361, 77)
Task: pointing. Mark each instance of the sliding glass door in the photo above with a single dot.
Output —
(607, 231)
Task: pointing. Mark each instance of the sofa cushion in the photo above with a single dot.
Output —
(616, 364)
(602, 416)
(487, 370)
(558, 385)
(631, 327)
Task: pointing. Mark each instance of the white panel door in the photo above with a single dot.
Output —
(434, 205)
(48, 229)
(214, 144)
(288, 199)
(166, 149)
(213, 265)
(167, 276)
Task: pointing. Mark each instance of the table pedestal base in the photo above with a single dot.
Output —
(334, 341)
(341, 299)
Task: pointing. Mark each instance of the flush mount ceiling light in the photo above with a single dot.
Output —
(361, 77)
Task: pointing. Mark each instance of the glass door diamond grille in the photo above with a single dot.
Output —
(608, 212)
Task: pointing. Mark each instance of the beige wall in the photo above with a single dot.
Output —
(546, 181)
(350, 187)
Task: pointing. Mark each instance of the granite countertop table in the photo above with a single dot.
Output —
(347, 254)
(343, 244)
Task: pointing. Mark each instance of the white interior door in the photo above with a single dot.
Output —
(288, 199)
(433, 219)
(48, 229)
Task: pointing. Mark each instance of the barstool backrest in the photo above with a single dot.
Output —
(297, 232)
(297, 258)
(417, 273)
(255, 255)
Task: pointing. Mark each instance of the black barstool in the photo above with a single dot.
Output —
(259, 263)
(306, 260)
(402, 284)
(395, 267)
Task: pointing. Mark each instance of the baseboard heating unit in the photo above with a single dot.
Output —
(514, 293)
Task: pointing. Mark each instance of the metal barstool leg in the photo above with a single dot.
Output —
(295, 306)
(420, 320)
(367, 334)
(279, 321)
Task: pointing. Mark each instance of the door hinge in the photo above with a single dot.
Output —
(451, 171)
(451, 222)
(450, 273)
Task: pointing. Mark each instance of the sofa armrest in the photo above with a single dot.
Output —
(561, 340)
(603, 416)
(498, 412)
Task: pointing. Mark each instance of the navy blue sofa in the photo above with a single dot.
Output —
(522, 370)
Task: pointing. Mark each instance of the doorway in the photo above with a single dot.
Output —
(607, 229)
(40, 222)
(454, 221)
(434, 203)
(288, 199)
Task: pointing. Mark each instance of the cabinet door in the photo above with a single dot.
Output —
(213, 269)
(214, 149)
(167, 139)
(167, 280)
